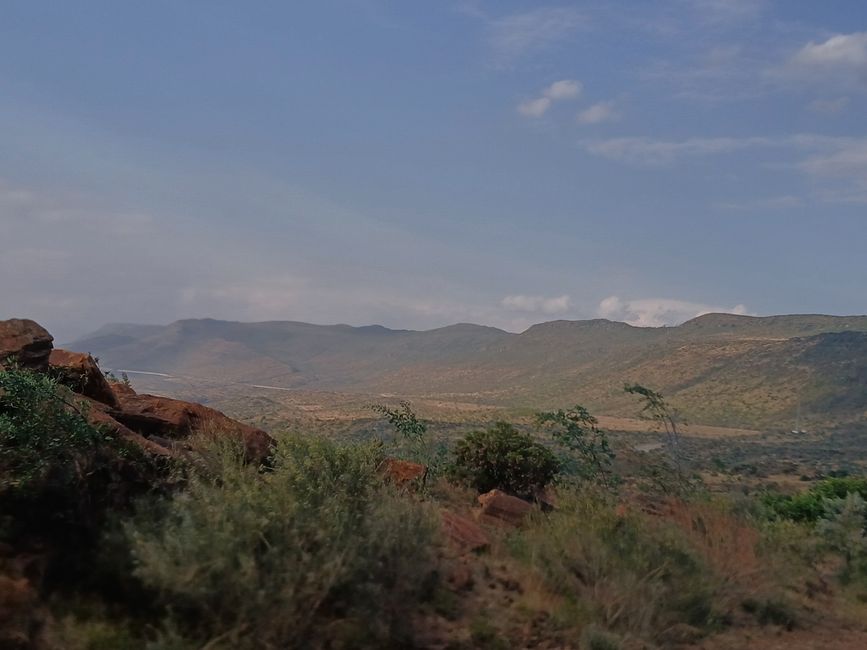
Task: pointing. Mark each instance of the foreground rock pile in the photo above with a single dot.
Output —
(162, 428)
(157, 425)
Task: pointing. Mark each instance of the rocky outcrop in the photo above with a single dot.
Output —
(80, 372)
(152, 423)
(171, 419)
(99, 415)
(499, 506)
(24, 343)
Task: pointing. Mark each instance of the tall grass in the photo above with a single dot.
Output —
(621, 570)
(314, 552)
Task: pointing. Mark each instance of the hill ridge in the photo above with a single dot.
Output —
(718, 368)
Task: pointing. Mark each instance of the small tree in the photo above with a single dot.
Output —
(404, 420)
(413, 433)
(656, 409)
(504, 458)
(576, 430)
(843, 530)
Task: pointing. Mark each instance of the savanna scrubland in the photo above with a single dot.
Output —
(138, 521)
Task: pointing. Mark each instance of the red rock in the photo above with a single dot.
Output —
(174, 419)
(401, 472)
(97, 416)
(121, 388)
(80, 372)
(25, 343)
(504, 507)
(463, 533)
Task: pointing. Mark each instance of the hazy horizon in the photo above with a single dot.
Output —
(457, 324)
(417, 165)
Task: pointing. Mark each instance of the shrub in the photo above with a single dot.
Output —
(413, 443)
(589, 455)
(634, 575)
(315, 550)
(770, 612)
(62, 479)
(503, 457)
(42, 432)
(843, 530)
(809, 506)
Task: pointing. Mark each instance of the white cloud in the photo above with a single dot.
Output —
(837, 63)
(838, 164)
(653, 152)
(564, 89)
(840, 50)
(534, 107)
(657, 312)
(513, 36)
(597, 113)
(557, 91)
(845, 166)
(829, 106)
(543, 304)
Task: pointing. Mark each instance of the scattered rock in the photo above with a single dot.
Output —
(504, 507)
(464, 534)
(80, 372)
(401, 472)
(26, 343)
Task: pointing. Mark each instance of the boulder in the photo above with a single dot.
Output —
(80, 372)
(401, 472)
(504, 507)
(25, 343)
(462, 533)
(174, 419)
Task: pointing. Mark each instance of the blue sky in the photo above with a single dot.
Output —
(417, 164)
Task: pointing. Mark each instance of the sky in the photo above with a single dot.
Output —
(416, 164)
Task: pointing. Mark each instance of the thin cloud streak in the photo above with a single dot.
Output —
(515, 36)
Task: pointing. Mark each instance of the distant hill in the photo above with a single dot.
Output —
(718, 368)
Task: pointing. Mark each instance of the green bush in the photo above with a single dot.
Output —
(504, 458)
(315, 551)
(809, 506)
(588, 453)
(43, 433)
(62, 479)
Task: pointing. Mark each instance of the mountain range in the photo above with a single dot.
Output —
(722, 369)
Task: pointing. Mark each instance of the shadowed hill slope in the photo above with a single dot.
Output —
(718, 368)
